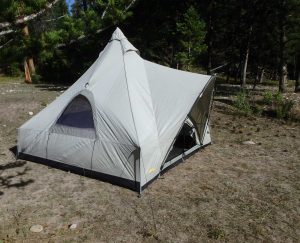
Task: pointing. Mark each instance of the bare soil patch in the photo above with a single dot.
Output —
(227, 191)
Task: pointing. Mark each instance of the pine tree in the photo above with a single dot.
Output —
(191, 34)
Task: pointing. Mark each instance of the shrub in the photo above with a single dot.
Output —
(268, 97)
(36, 78)
(243, 104)
(281, 106)
(13, 70)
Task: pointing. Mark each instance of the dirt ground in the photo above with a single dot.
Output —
(227, 192)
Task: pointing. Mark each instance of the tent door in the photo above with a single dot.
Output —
(185, 141)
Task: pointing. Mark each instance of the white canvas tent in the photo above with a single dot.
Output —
(126, 119)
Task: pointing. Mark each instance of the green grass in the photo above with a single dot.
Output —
(6, 79)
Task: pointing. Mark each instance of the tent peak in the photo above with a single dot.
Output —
(126, 45)
(118, 35)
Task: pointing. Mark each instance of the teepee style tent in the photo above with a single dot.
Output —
(126, 119)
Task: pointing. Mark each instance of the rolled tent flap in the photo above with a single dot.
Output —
(133, 110)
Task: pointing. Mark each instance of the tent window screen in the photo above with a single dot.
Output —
(201, 110)
(77, 119)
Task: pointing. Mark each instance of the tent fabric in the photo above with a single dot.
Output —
(121, 117)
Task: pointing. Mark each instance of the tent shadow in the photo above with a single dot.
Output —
(51, 87)
(14, 151)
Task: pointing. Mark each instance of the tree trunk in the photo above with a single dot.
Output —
(244, 76)
(258, 77)
(282, 54)
(27, 73)
(84, 3)
(283, 63)
(31, 65)
(29, 60)
(237, 68)
(283, 77)
(261, 76)
(297, 74)
(228, 73)
(297, 84)
(189, 56)
(209, 45)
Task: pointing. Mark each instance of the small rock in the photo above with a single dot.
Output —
(72, 226)
(30, 113)
(249, 142)
(36, 228)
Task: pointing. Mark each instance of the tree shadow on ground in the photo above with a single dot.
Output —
(228, 89)
(223, 109)
(224, 100)
(10, 178)
(51, 87)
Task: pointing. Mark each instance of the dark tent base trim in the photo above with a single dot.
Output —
(132, 185)
(129, 184)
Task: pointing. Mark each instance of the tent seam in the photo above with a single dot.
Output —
(153, 109)
(130, 100)
(124, 66)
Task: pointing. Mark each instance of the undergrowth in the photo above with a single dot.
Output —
(278, 104)
(243, 103)
(273, 104)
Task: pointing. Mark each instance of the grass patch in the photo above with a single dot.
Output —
(273, 104)
(243, 103)
(278, 105)
(215, 232)
(6, 79)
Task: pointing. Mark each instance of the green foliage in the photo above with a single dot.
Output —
(280, 105)
(13, 69)
(176, 33)
(268, 97)
(191, 34)
(215, 232)
(36, 78)
(242, 103)
(284, 109)
(11, 9)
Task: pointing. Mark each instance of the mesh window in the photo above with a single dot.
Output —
(201, 110)
(77, 119)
